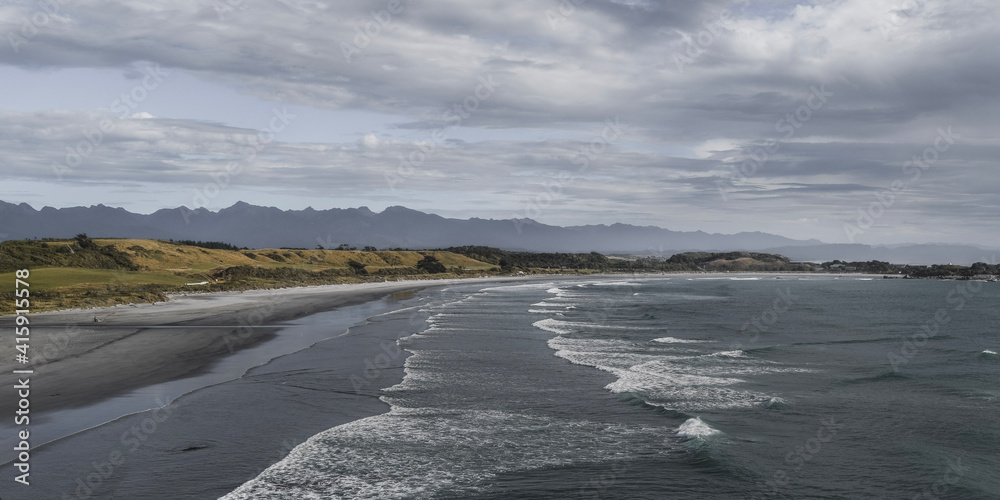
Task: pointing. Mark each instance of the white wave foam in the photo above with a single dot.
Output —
(609, 347)
(776, 402)
(673, 340)
(545, 303)
(649, 376)
(517, 288)
(684, 382)
(563, 327)
(696, 428)
(688, 296)
(729, 354)
(677, 387)
(398, 312)
(421, 452)
(554, 326)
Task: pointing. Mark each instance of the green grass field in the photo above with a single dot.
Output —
(165, 256)
(68, 273)
(53, 278)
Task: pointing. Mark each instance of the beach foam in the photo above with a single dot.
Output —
(696, 428)
(673, 340)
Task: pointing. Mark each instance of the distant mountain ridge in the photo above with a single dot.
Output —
(254, 226)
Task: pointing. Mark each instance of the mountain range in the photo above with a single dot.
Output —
(254, 226)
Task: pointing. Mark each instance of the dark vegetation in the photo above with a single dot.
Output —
(81, 252)
(213, 245)
(430, 265)
(935, 271)
(508, 261)
(685, 262)
(357, 267)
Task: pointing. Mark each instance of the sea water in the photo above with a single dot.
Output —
(678, 387)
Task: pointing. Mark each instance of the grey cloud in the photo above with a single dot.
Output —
(603, 59)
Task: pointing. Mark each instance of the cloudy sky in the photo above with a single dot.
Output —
(855, 120)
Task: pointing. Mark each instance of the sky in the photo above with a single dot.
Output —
(849, 121)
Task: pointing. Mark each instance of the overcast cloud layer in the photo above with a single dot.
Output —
(856, 120)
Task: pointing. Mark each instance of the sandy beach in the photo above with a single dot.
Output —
(83, 356)
(132, 350)
(85, 360)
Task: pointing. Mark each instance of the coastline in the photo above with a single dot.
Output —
(83, 361)
(136, 351)
(92, 372)
(197, 420)
(91, 354)
(208, 441)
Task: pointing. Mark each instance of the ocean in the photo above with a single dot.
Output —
(682, 386)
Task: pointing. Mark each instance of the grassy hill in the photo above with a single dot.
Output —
(84, 272)
(157, 255)
(99, 272)
(736, 262)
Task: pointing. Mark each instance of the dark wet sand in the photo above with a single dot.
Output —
(89, 361)
(208, 442)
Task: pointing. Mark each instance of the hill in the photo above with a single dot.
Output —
(84, 272)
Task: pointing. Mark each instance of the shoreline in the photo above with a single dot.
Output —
(210, 440)
(197, 417)
(84, 362)
(287, 338)
(173, 298)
